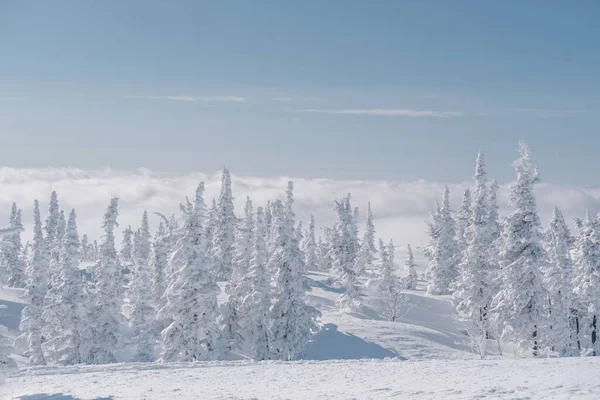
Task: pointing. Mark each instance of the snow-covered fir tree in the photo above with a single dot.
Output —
(85, 246)
(586, 280)
(104, 310)
(410, 270)
(272, 238)
(238, 286)
(12, 251)
(35, 292)
(558, 280)
(52, 235)
(193, 334)
(386, 268)
(521, 305)
(224, 231)
(142, 310)
(309, 247)
(472, 293)
(126, 252)
(61, 228)
(367, 251)
(493, 213)
(63, 316)
(211, 225)
(293, 321)
(255, 305)
(442, 250)
(325, 249)
(344, 254)
(158, 264)
(463, 219)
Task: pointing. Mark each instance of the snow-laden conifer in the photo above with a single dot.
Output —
(52, 235)
(586, 282)
(65, 326)
(255, 305)
(224, 232)
(521, 305)
(442, 251)
(35, 292)
(142, 310)
(12, 252)
(310, 249)
(410, 270)
(293, 321)
(193, 334)
(126, 252)
(105, 304)
(558, 280)
(158, 264)
(463, 219)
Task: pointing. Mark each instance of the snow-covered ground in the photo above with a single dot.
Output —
(355, 355)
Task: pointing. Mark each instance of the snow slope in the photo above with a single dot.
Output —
(361, 379)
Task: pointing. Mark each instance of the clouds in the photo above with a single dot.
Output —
(388, 112)
(210, 99)
(552, 113)
(400, 208)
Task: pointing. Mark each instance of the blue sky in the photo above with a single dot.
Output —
(397, 90)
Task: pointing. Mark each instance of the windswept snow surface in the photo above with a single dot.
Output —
(360, 379)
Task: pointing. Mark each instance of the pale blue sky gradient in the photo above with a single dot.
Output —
(302, 88)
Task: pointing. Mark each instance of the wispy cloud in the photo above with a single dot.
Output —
(12, 98)
(550, 113)
(282, 99)
(211, 99)
(388, 112)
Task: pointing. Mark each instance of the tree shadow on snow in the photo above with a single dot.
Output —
(326, 287)
(56, 396)
(331, 344)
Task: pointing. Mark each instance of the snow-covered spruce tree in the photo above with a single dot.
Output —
(85, 243)
(61, 228)
(299, 233)
(158, 264)
(276, 218)
(63, 313)
(366, 253)
(193, 334)
(52, 240)
(238, 286)
(325, 249)
(105, 309)
(386, 269)
(463, 219)
(493, 214)
(390, 285)
(410, 270)
(126, 252)
(268, 223)
(35, 291)
(344, 255)
(442, 250)
(224, 233)
(142, 310)
(211, 225)
(472, 294)
(255, 306)
(521, 305)
(586, 282)
(293, 321)
(310, 246)
(13, 249)
(558, 280)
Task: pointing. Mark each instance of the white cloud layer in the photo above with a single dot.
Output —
(389, 112)
(400, 208)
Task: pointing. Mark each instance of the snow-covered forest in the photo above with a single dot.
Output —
(215, 283)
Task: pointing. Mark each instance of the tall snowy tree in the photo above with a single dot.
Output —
(224, 233)
(126, 252)
(63, 315)
(193, 334)
(158, 264)
(293, 321)
(463, 219)
(520, 306)
(472, 293)
(325, 249)
(310, 246)
(211, 225)
(410, 270)
(493, 214)
(238, 286)
(35, 292)
(52, 225)
(12, 251)
(344, 254)
(586, 280)
(85, 246)
(386, 268)
(367, 250)
(61, 228)
(442, 250)
(255, 305)
(142, 310)
(105, 308)
(558, 280)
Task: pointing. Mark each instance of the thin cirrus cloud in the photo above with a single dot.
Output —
(210, 99)
(550, 113)
(282, 99)
(388, 112)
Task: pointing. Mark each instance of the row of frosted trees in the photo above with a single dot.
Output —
(159, 294)
(512, 280)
